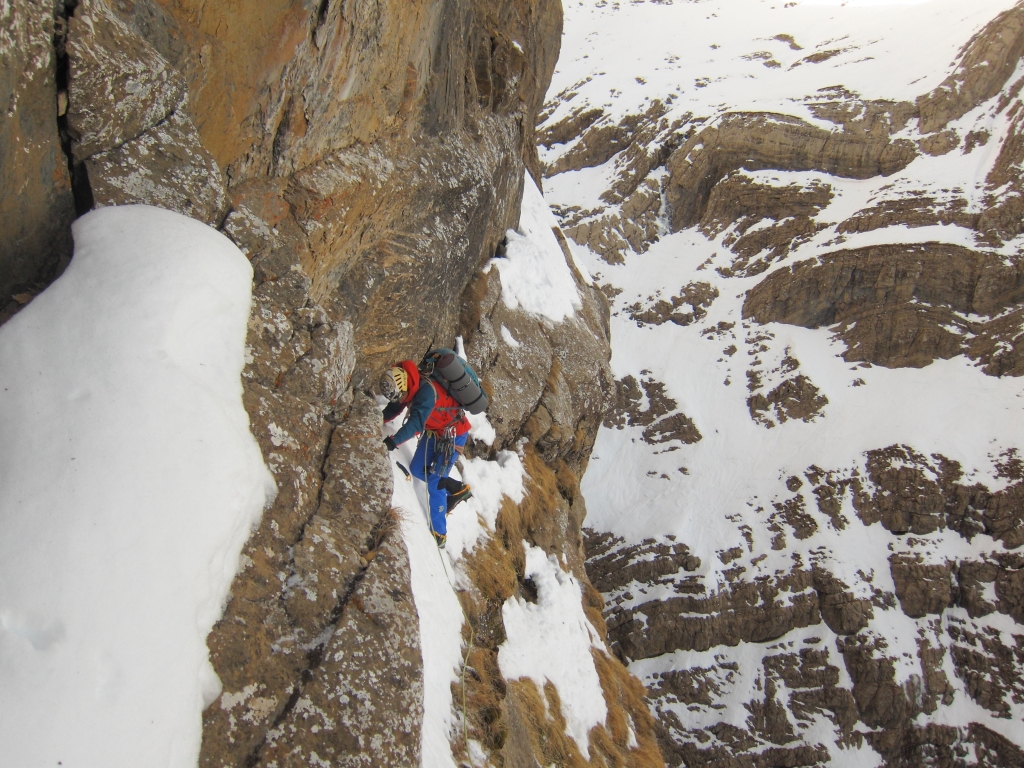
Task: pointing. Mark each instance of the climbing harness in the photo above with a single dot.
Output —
(444, 447)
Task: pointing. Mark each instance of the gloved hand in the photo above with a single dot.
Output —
(389, 443)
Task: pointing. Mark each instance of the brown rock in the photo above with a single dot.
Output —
(37, 206)
(841, 611)
(881, 702)
(986, 63)
(971, 578)
(660, 416)
(895, 303)
(742, 612)
(874, 117)
(555, 384)
(763, 140)
(611, 566)
(990, 671)
(921, 588)
(739, 202)
(364, 703)
(165, 166)
(907, 499)
(795, 398)
(917, 210)
(119, 87)
(612, 235)
(810, 690)
(697, 296)
(939, 144)
(308, 551)
(599, 140)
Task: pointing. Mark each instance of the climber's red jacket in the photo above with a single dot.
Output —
(430, 407)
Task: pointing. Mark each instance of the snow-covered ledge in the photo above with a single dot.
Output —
(129, 482)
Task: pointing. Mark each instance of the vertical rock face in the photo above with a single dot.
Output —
(36, 208)
(368, 158)
(389, 139)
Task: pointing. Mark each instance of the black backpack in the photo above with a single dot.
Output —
(457, 377)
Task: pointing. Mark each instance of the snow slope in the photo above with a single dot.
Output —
(717, 495)
(130, 483)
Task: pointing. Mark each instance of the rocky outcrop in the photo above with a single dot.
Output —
(639, 144)
(987, 61)
(661, 419)
(742, 205)
(917, 210)
(555, 385)
(127, 122)
(697, 296)
(758, 141)
(364, 703)
(900, 305)
(687, 611)
(918, 494)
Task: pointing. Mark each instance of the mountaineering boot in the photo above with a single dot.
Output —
(439, 539)
(458, 496)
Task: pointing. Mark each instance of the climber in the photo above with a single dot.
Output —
(435, 414)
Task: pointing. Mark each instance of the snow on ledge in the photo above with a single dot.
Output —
(130, 482)
(564, 656)
(534, 273)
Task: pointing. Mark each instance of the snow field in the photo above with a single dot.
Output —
(722, 54)
(534, 273)
(715, 57)
(130, 483)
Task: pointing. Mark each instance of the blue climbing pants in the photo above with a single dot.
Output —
(421, 469)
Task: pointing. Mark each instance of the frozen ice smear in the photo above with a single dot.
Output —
(130, 483)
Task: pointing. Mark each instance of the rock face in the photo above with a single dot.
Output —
(903, 305)
(343, 133)
(811, 602)
(754, 142)
(368, 158)
(37, 205)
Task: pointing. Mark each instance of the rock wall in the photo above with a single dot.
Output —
(37, 206)
(369, 159)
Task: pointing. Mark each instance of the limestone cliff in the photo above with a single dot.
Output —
(368, 158)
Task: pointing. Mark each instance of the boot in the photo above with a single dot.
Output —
(458, 496)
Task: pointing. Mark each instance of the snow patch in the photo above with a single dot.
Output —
(131, 482)
(534, 273)
(551, 640)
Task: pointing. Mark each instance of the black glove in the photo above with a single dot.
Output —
(389, 443)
